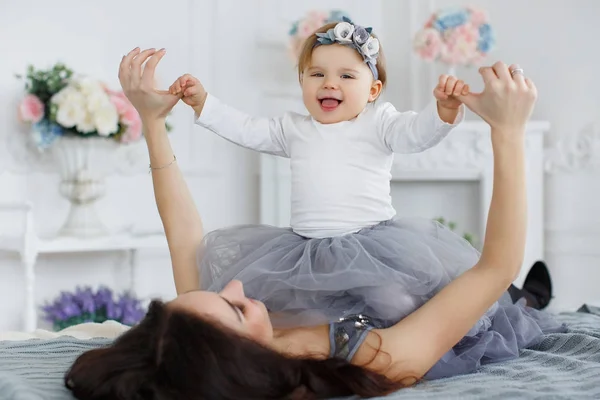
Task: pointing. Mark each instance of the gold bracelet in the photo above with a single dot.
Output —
(163, 166)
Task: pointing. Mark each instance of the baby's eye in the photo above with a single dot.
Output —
(317, 74)
(346, 76)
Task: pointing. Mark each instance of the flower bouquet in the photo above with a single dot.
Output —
(60, 103)
(456, 37)
(84, 305)
(81, 122)
(306, 26)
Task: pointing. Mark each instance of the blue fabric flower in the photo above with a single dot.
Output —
(450, 18)
(486, 38)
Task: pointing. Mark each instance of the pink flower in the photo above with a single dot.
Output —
(429, 23)
(478, 16)
(121, 103)
(134, 130)
(428, 44)
(313, 21)
(460, 45)
(31, 109)
(128, 116)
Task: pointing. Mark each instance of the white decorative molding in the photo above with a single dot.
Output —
(575, 153)
(463, 155)
(462, 150)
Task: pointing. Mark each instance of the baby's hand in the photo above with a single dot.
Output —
(448, 90)
(192, 92)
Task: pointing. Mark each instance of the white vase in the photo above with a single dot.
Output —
(83, 164)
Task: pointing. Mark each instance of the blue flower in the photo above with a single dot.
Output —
(44, 133)
(294, 28)
(337, 16)
(450, 18)
(486, 38)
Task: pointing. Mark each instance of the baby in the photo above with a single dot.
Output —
(342, 152)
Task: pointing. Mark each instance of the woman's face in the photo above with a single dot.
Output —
(231, 308)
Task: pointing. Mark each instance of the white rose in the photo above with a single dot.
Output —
(87, 124)
(343, 32)
(87, 85)
(70, 114)
(63, 94)
(371, 47)
(96, 100)
(106, 120)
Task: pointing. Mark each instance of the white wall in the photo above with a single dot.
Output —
(219, 41)
(555, 42)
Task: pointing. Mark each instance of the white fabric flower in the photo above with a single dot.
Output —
(370, 48)
(343, 32)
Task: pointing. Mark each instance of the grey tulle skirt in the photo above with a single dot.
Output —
(386, 272)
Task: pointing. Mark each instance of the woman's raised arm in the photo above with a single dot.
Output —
(178, 213)
(417, 342)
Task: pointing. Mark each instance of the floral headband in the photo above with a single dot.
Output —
(355, 36)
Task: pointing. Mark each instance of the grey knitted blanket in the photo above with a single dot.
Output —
(562, 366)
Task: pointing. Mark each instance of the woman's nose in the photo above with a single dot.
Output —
(234, 290)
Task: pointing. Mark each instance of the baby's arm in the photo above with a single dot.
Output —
(262, 134)
(265, 135)
(412, 132)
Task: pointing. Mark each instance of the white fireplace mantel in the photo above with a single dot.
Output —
(465, 155)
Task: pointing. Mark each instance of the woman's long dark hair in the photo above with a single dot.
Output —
(172, 354)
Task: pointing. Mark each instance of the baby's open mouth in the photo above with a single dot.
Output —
(329, 103)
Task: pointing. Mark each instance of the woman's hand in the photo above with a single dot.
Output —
(152, 104)
(507, 100)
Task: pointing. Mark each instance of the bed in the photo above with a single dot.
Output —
(562, 366)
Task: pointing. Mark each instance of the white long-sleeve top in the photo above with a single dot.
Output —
(340, 172)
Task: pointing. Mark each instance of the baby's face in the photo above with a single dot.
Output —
(337, 84)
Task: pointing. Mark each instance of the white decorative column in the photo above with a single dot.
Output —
(573, 218)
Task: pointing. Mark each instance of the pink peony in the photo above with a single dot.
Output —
(122, 104)
(428, 44)
(31, 109)
(313, 21)
(134, 130)
(429, 23)
(128, 116)
(460, 45)
(478, 17)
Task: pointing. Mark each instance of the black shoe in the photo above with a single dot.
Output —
(538, 286)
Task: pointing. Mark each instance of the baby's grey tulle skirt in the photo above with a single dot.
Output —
(386, 272)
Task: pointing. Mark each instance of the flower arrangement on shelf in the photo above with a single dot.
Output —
(452, 226)
(60, 103)
(456, 37)
(307, 25)
(85, 305)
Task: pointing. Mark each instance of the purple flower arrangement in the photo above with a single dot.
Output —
(84, 305)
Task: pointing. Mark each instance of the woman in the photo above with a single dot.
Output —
(222, 344)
